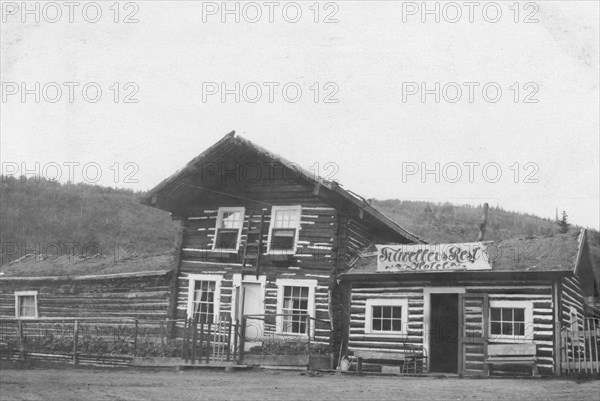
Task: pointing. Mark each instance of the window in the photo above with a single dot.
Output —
(285, 223)
(511, 320)
(295, 309)
(295, 303)
(508, 321)
(204, 297)
(386, 316)
(26, 304)
(230, 221)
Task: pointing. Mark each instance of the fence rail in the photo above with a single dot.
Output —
(580, 347)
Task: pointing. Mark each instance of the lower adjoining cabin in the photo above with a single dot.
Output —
(54, 287)
(465, 308)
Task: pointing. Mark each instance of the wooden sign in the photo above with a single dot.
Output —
(432, 258)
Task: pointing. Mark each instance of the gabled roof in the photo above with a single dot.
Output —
(327, 190)
(558, 253)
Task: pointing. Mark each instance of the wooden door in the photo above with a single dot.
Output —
(472, 334)
(252, 304)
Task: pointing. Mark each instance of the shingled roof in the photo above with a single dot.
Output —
(557, 253)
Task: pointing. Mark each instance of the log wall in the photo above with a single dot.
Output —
(111, 296)
(535, 293)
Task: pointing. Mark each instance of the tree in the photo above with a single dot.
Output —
(563, 224)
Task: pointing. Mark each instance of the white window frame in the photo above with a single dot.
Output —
(312, 286)
(528, 331)
(18, 303)
(192, 279)
(220, 213)
(274, 209)
(402, 302)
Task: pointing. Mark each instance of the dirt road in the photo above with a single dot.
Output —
(97, 384)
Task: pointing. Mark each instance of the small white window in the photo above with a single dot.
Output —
(230, 221)
(386, 316)
(511, 320)
(295, 301)
(285, 226)
(204, 295)
(26, 304)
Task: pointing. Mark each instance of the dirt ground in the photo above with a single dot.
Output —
(102, 384)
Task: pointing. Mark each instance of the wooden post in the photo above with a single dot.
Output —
(201, 340)
(242, 340)
(208, 342)
(21, 341)
(184, 349)
(308, 337)
(195, 339)
(75, 341)
(135, 336)
(235, 342)
(228, 350)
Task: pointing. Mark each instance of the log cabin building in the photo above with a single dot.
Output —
(455, 303)
(67, 286)
(261, 236)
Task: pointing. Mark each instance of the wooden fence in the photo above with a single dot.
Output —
(81, 341)
(580, 348)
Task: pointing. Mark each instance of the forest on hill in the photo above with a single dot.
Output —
(45, 217)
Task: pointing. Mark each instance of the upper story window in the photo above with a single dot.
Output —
(230, 221)
(26, 304)
(285, 225)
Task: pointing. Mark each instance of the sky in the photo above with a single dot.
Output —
(496, 103)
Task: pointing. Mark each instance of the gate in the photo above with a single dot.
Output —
(209, 342)
(579, 347)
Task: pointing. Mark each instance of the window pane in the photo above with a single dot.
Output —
(231, 220)
(387, 312)
(227, 239)
(519, 329)
(496, 328)
(283, 239)
(506, 314)
(376, 311)
(396, 325)
(397, 312)
(519, 315)
(496, 314)
(507, 328)
(376, 324)
(386, 325)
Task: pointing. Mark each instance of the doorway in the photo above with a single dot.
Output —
(443, 337)
(248, 299)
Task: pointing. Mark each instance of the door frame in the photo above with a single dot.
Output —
(237, 281)
(427, 316)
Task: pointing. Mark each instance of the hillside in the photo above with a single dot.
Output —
(43, 217)
(39, 216)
